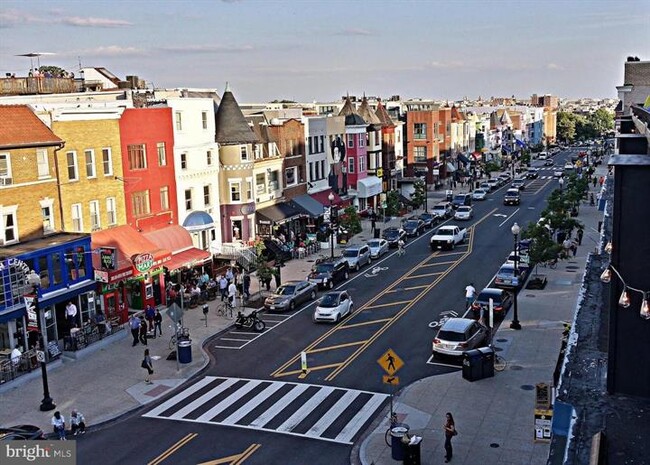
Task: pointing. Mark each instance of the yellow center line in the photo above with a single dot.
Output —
(337, 346)
(425, 275)
(315, 368)
(399, 302)
(372, 322)
(247, 453)
(438, 264)
(411, 288)
(180, 443)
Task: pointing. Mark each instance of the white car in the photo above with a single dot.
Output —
(378, 247)
(558, 173)
(464, 213)
(479, 194)
(333, 306)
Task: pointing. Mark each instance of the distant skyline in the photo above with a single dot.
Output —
(307, 50)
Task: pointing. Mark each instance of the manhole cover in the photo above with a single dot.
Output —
(527, 387)
(494, 445)
(311, 261)
(502, 340)
(531, 295)
(516, 367)
(497, 349)
(571, 267)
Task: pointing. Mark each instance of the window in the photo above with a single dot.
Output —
(274, 184)
(42, 162)
(235, 191)
(188, 199)
(317, 174)
(350, 165)
(362, 164)
(208, 157)
(257, 151)
(162, 154)
(311, 172)
(48, 218)
(309, 148)
(260, 183)
(140, 202)
(111, 214)
(107, 162)
(206, 195)
(183, 161)
(89, 156)
(322, 167)
(9, 231)
(249, 190)
(362, 140)
(420, 131)
(179, 121)
(94, 215)
(164, 198)
(5, 169)
(291, 147)
(290, 177)
(244, 152)
(204, 119)
(77, 218)
(137, 157)
(350, 140)
(322, 144)
(71, 159)
(419, 154)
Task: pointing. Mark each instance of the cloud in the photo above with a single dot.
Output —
(448, 65)
(355, 32)
(554, 66)
(108, 51)
(78, 21)
(12, 18)
(207, 49)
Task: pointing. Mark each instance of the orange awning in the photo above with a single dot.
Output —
(178, 240)
(187, 258)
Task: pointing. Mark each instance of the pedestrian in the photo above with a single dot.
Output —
(157, 321)
(58, 423)
(574, 247)
(277, 276)
(143, 331)
(149, 313)
(134, 324)
(232, 294)
(77, 423)
(450, 432)
(147, 364)
(373, 222)
(580, 234)
(71, 314)
(601, 181)
(567, 246)
(223, 287)
(470, 294)
(229, 275)
(595, 181)
(247, 285)
(400, 247)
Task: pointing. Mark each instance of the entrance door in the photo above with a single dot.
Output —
(237, 229)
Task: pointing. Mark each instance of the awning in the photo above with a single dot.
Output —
(279, 213)
(322, 198)
(450, 168)
(464, 159)
(369, 187)
(178, 240)
(198, 221)
(310, 205)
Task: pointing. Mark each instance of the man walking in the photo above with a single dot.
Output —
(246, 281)
(580, 234)
(71, 314)
(223, 287)
(134, 324)
(470, 294)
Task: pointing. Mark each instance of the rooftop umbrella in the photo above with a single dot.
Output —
(38, 56)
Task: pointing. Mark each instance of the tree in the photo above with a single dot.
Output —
(350, 220)
(566, 126)
(542, 247)
(392, 204)
(419, 193)
(601, 121)
(54, 70)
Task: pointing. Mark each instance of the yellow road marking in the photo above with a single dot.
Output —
(173, 448)
(438, 264)
(399, 302)
(316, 368)
(235, 459)
(338, 346)
(411, 288)
(426, 275)
(247, 453)
(364, 323)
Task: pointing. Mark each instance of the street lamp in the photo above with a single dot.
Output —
(34, 280)
(561, 181)
(515, 318)
(426, 190)
(331, 199)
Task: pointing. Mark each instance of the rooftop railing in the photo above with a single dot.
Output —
(36, 85)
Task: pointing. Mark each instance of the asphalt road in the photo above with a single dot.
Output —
(261, 388)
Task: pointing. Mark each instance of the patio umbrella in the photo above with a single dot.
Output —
(38, 56)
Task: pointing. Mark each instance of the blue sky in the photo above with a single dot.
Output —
(320, 50)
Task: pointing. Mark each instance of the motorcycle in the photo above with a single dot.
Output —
(250, 321)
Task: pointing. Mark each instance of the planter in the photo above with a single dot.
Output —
(537, 281)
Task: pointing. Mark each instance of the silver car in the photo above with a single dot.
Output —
(464, 213)
(458, 335)
(378, 247)
(333, 306)
(479, 194)
(290, 295)
(357, 256)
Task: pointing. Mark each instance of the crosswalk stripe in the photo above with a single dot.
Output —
(353, 426)
(204, 398)
(307, 407)
(332, 414)
(267, 416)
(228, 401)
(248, 406)
(179, 397)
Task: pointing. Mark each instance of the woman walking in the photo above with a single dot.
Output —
(147, 364)
(450, 432)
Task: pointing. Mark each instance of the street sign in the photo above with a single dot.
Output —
(175, 313)
(390, 362)
(40, 356)
(394, 380)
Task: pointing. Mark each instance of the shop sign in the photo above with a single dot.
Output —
(17, 265)
(143, 262)
(101, 276)
(380, 172)
(108, 258)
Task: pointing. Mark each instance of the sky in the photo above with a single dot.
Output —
(306, 50)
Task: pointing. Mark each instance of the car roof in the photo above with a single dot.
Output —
(293, 283)
(441, 204)
(492, 290)
(336, 293)
(355, 247)
(464, 207)
(457, 324)
(512, 191)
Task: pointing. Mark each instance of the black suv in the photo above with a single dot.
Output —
(329, 271)
(429, 219)
(461, 200)
(413, 226)
(393, 236)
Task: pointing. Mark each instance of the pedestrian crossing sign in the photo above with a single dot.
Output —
(390, 362)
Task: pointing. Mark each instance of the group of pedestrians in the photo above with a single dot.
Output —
(140, 325)
(77, 424)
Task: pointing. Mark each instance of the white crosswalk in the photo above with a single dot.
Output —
(325, 413)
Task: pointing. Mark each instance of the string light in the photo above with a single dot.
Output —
(624, 300)
(608, 248)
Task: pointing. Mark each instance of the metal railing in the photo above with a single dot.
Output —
(36, 85)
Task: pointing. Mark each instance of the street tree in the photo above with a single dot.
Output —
(542, 247)
(566, 126)
(419, 193)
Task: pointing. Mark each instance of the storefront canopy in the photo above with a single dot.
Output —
(279, 213)
(464, 159)
(178, 240)
(369, 187)
(310, 205)
(322, 197)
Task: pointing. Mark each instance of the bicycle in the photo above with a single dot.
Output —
(181, 333)
(225, 310)
(393, 424)
(500, 363)
(552, 264)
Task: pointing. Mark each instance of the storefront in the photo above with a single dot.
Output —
(282, 218)
(368, 190)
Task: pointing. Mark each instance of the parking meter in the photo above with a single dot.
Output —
(206, 309)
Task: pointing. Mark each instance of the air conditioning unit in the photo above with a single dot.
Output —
(4, 181)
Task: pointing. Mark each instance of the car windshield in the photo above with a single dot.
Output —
(445, 232)
(438, 208)
(374, 244)
(329, 300)
(511, 192)
(350, 253)
(391, 233)
(464, 209)
(506, 271)
(452, 336)
(411, 224)
(324, 267)
(486, 298)
(425, 216)
(286, 290)
(479, 192)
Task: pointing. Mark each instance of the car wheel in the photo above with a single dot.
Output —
(292, 305)
(369, 261)
(312, 296)
(453, 245)
(346, 275)
(338, 318)
(357, 267)
(350, 309)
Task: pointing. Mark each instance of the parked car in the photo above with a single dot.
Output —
(486, 186)
(378, 247)
(393, 236)
(461, 199)
(507, 278)
(542, 155)
(494, 183)
(549, 162)
(501, 301)
(333, 306)
(512, 197)
(532, 173)
(458, 335)
(290, 295)
(429, 219)
(21, 433)
(325, 273)
(357, 256)
(464, 213)
(443, 210)
(413, 226)
(479, 194)
(518, 184)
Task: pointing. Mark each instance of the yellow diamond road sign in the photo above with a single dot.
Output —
(390, 362)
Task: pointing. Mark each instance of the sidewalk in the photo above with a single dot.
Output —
(495, 416)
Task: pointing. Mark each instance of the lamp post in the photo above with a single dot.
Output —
(331, 199)
(515, 318)
(47, 404)
(426, 190)
(561, 181)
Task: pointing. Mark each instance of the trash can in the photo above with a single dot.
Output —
(377, 233)
(412, 452)
(449, 195)
(185, 351)
(397, 432)
(472, 365)
(487, 361)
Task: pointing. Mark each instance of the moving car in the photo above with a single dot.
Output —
(429, 219)
(21, 433)
(393, 236)
(333, 306)
(542, 155)
(479, 194)
(443, 210)
(447, 237)
(325, 273)
(549, 162)
(494, 183)
(458, 335)
(504, 177)
(558, 173)
(357, 256)
(518, 184)
(413, 226)
(512, 197)
(378, 247)
(461, 199)
(290, 295)
(500, 298)
(464, 213)
(532, 173)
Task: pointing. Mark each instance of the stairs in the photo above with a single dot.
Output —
(244, 255)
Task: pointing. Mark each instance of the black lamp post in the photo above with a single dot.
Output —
(47, 404)
(331, 199)
(515, 318)
(426, 189)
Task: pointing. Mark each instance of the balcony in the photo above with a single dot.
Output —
(39, 85)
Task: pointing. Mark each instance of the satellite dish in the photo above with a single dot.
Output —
(276, 122)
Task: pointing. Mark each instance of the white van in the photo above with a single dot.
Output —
(542, 155)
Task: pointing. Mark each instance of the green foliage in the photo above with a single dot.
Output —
(350, 220)
(55, 70)
(418, 195)
(525, 157)
(572, 127)
(602, 121)
(262, 268)
(542, 247)
(492, 166)
(392, 203)
(566, 126)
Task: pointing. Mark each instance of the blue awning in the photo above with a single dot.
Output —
(310, 205)
(12, 314)
(66, 293)
(464, 159)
